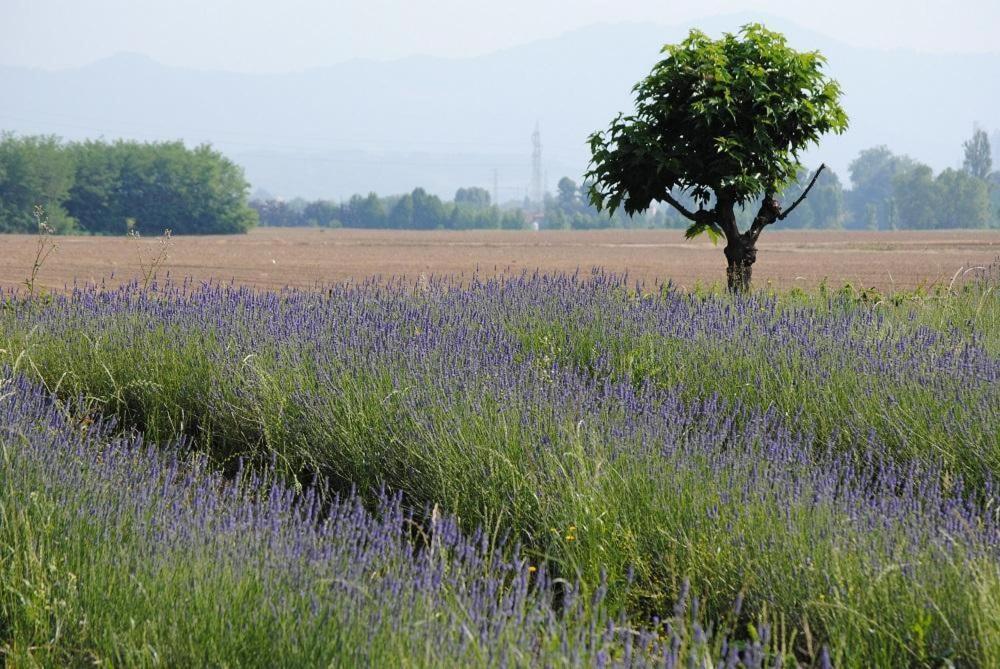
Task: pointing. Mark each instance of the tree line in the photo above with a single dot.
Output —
(889, 192)
(114, 188)
(471, 209)
(894, 191)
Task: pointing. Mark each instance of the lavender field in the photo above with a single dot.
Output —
(541, 470)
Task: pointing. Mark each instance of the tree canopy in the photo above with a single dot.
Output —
(34, 171)
(714, 116)
(475, 196)
(978, 155)
(417, 210)
(724, 121)
(875, 174)
(113, 188)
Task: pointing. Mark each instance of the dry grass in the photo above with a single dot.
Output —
(274, 258)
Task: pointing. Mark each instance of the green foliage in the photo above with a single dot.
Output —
(475, 196)
(994, 186)
(34, 171)
(417, 210)
(278, 213)
(78, 590)
(401, 216)
(873, 175)
(964, 200)
(428, 210)
(100, 187)
(571, 209)
(321, 214)
(513, 220)
(978, 155)
(916, 197)
(359, 212)
(696, 229)
(568, 195)
(667, 518)
(93, 197)
(165, 186)
(716, 116)
(954, 199)
(824, 208)
(896, 192)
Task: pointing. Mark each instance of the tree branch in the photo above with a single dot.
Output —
(804, 193)
(679, 207)
(770, 211)
(724, 217)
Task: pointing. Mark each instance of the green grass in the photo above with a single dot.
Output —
(82, 583)
(956, 421)
(585, 504)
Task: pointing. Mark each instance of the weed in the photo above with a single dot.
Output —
(44, 247)
(148, 266)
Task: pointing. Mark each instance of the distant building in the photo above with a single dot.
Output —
(535, 219)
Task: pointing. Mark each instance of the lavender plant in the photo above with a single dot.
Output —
(835, 475)
(118, 553)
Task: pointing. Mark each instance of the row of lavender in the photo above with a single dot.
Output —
(123, 553)
(128, 555)
(601, 429)
(926, 393)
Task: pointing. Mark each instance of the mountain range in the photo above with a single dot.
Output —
(441, 123)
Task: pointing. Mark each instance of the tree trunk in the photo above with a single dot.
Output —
(741, 253)
(741, 248)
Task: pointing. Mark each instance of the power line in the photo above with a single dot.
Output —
(277, 142)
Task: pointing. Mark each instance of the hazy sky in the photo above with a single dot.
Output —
(267, 35)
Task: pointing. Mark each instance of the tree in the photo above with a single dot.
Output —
(34, 171)
(873, 175)
(487, 218)
(963, 200)
(428, 210)
(157, 186)
(723, 120)
(567, 196)
(93, 198)
(978, 156)
(474, 196)
(372, 212)
(916, 195)
(401, 216)
(321, 214)
(512, 220)
(995, 145)
(554, 219)
(994, 185)
(276, 213)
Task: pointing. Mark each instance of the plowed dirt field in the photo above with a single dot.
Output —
(275, 258)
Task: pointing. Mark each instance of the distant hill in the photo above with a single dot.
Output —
(442, 123)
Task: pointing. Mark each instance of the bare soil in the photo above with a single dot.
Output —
(276, 258)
